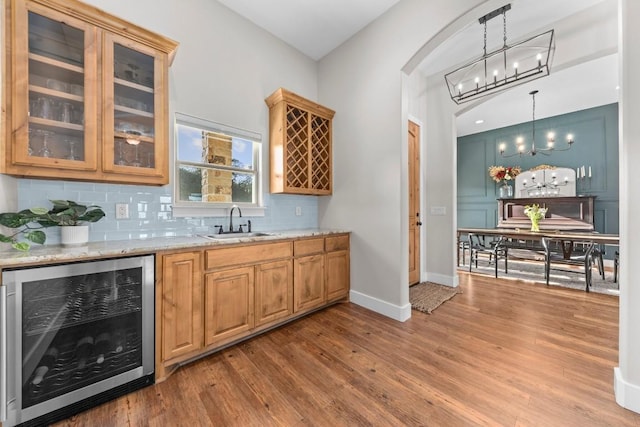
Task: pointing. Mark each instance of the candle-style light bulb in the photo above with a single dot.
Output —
(495, 76)
(477, 81)
(515, 68)
(502, 147)
(539, 58)
(570, 139)
(459, 88)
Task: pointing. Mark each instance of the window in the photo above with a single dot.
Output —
(216, 165)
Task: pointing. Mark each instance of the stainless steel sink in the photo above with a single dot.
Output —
(235, 235)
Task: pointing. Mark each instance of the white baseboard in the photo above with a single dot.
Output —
(627, 394)
(442, 279)
(396, 312)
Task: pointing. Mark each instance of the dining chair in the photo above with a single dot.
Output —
(583, 257)
(495, 249)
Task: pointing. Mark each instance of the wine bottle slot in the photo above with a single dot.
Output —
(46, 363)
(103, 346)
(84, 348)
(119, 341)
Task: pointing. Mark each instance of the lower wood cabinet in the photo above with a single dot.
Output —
(273, 291)
(244, 289)
(337, 267)
(181, 304)
(228, 302)
(309, 282)
(337, 275)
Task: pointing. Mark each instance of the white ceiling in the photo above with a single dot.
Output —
(316, 27)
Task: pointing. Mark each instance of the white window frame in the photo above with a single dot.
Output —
(184, 208)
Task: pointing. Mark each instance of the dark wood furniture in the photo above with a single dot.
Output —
(564, 213)
(536, 236)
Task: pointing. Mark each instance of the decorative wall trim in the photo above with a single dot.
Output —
(596, 134)
(396, 312)
(441, 279)
(627, 394)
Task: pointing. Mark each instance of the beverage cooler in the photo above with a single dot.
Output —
(73, 336)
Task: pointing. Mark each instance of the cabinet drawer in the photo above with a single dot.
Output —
(308, 247)
(216, 258)
(337, 243)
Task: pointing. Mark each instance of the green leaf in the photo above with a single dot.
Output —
(92, 215)
(36, 236)
(14, 220)
(39, 211)
(21, 246)
(6, 239)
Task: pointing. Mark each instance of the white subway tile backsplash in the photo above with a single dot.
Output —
(150, 210)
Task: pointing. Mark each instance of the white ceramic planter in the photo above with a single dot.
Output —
(74, 235)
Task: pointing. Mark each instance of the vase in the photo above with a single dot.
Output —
(535, 226)
(74, 235)
(506, 191)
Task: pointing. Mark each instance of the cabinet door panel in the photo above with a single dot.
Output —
(228, 303)
(308, 279)
(181, 304)
(134, 116)
(337, 275)
(54, 94)
(274, 291)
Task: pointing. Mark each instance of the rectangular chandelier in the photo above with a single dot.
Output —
(508, 66)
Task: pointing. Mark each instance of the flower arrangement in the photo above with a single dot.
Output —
(504, 173)
(535, 214)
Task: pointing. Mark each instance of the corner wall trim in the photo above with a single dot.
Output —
(443, 279)
(627, 394)
(396, 312)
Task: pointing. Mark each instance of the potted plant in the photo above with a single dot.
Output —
(66, 214)
(26, 223)
(71, 218)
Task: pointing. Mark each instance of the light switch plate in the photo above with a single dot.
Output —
(438, 210)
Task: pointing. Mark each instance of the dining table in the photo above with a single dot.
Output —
(566, 238)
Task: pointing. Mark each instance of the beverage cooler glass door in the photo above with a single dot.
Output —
(75, 335)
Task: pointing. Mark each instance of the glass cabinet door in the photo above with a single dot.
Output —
(54, 103)
(133, 108)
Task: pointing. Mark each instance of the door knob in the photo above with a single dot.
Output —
(419, 223)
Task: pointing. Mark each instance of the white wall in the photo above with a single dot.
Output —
(370, 147)
(627, 375)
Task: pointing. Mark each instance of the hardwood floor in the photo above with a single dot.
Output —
(501, 353)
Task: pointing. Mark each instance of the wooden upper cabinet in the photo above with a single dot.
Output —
(300, 145)
(88, 95)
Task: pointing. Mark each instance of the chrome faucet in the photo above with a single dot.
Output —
(231, 217)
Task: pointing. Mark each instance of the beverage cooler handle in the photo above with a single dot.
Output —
(3, 353)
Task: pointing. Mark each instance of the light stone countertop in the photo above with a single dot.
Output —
(57, 253)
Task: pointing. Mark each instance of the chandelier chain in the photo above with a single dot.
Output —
(533, 124)
(504, 25)
(485, 38)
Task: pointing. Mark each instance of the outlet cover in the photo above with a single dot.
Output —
(122, 211)
(298, 211)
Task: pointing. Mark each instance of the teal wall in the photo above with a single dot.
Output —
(595, 133)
